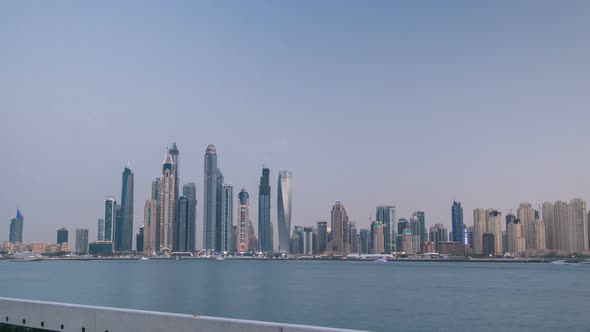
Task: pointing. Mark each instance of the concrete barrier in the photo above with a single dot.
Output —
(82, 318)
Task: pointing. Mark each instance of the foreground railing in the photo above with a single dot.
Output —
(82, 318)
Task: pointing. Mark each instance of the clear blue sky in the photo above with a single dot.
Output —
(382, 102)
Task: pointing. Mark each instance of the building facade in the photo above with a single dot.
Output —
(124, 226)
(151, 227)
(457, 225)
(189, 190)
(210, 198)
(81, 241)
(243, 220)
(339, 225)
(16, 228)
(264, 227)
(110, 217)
(62, 235)
(167, 205)
(284, 209)
(227, 218)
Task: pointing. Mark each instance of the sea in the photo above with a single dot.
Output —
(392, 296)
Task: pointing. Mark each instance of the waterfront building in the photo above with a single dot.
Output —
(419, 215)
(252, 238)
(234, 238)
(81, 241)
(402, 225)
(339, 225)
(243, 218)
(284, 209)
(124, 226)
(515, 240)
(488, 244)
(386, 215)
(429, 247)
(457, 225)
(294, 242)
(139, 239)
(378, 238)
(227, 218)
(308, 240)
(167, 205)
(550, 231)
(210, 198)
(100, 248)
(352, 236)
(365, 241)
(494, 225)
(16, 228)
(539, 236)
(526, 215)
(576, 230)
(8, 246)
(110, 215)
(406, 241)
(62, 235)
(189, 190)
(219, 230)
(469, 231)
(438, 233)
(415, 228)
(181, 229)
(561, 216)
(264, 227)
(451, 248)
(322, 237)
(100, 230)
(151, 227)
(479, 228)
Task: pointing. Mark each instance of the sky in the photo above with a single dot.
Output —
(408, 103)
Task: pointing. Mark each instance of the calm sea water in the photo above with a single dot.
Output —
(362, 295)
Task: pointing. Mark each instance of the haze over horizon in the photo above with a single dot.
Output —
(409, 104)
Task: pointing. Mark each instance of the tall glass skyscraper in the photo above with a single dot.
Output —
(124, 225)
(386, 215)
(110, 216)
(227, 218)
(16, 228)
(210, 198)
(218, 220)
(181, 229)
(190, 191)
(264, 227)
(458, 227)
(100, 229)
(82, 241)
(174, 153)
(284, 209)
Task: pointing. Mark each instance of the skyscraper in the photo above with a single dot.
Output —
(210, 198)
(438, 233)
(139, 239)
(516, 242)
(378, 243)
(550, 232)
(219, 230)
(308, 241)
(479, 228)
(181, 229)
(457, 225)
(100, 229)
(577, 226)
(62, 235)
(264, 228)
(227, 217)
(151, 227)
(243, 218)
(419, 216)
(110, 216)
(322, 238)
(284, 209)
(339, 225)
(189, 190)
(174, 153)
(82, 241)
(16, 228)
(386, 215)
(494, 226)
(167, 205)
(526, 215)
(125, 225)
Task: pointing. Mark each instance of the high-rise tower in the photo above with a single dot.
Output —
(174, 153)
(210, 198)
(219, 230)
(167, 205)
(243, 219)
(457, 225)
(386, 215)
(124, 225)
(339, 224)
(227, 218)
(16, 228)
(110, 216)
(264, 227)
(181, 228)
(150, 224)
(190, 191)
(284, 209)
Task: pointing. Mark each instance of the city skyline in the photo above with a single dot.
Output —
(397, 108)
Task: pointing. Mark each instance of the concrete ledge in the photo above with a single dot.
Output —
(82, 318)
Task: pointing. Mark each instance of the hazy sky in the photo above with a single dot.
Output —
(382, 102)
